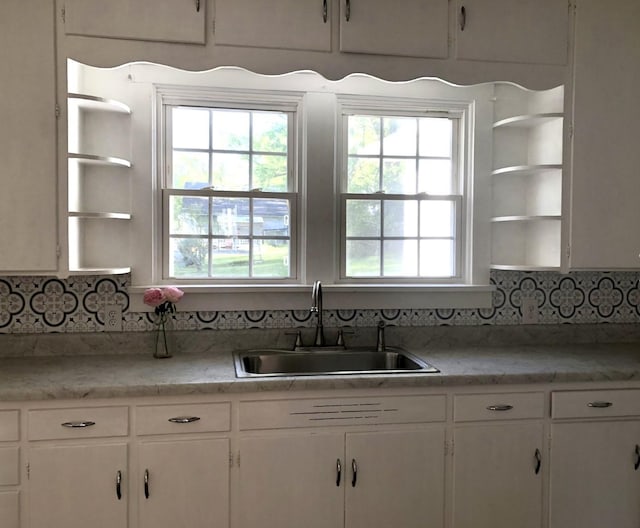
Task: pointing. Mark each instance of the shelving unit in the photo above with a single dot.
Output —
(527, 178)
(98, 188)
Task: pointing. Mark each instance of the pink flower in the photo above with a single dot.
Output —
(172, 294)
(154, 297)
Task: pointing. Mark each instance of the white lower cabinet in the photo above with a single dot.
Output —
(498, 476)
(184, 483)
(498, 460)
(354, 479)
(10, 509)
(76, 486)
(595, 462)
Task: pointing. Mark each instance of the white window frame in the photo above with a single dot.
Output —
(406, 107)
(168, 97)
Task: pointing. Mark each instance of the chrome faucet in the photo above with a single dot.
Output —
(380, 343)
(316, 307)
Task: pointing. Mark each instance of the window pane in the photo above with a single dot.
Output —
(230, 130)
(270, 132)
(271, 217)
(364, 135)
(400, 138)
(399, 176)
(230, 217)
(435, 177)
(231, 260)
(189, 257)
(271, 258)
(190, 128)
(437, 258)
(363, 175)
(363, 218)
(437, 219)
(189, 215)
(230, 171)
(400, 258)
(400, 218)
(270, 173)
(363, 258)
(435, 137)
(190, 170)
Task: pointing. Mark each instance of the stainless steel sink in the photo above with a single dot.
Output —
(327, 361)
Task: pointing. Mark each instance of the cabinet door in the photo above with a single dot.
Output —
(76, 486)
(166, 21)
(28, 205)
(187, 484)
(292, 481)
(413, 28)
(495, 483)
(605, 187)
(286, 24)
(10, 509)
(525, 31)
(398, 480)
(594, 480)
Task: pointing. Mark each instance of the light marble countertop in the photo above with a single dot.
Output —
(44, 377)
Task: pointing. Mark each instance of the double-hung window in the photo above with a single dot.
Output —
(229, 189)
(402, 196)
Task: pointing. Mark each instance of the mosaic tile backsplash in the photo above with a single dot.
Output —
(45, 305)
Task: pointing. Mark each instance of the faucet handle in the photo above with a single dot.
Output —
(341, 333)
(298, 334)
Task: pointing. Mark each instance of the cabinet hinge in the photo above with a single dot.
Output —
(570, 130)
(57, 110)
(448, 447)
(58, 251)
(568, 251)
(63, 14)
(28, 470)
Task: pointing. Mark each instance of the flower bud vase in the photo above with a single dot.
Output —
(164, 342)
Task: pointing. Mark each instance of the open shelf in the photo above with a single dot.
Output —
(527, 178)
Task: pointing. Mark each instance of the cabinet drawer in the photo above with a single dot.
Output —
(595, 403)
(187, 418)
(9, 423)
(504, 406)
(89, 422)
(341, 411)
(9, 464)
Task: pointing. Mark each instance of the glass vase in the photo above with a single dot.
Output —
(164, 338)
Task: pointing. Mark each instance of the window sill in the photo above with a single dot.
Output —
(336, 297)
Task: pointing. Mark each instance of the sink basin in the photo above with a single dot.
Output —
(323, 362)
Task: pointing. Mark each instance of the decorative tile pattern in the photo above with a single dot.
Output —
(42, 305)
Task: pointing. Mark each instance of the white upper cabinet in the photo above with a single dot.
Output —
(166, 21)
(28, 205)
(604, 231)
(524, 31)
(412, 28)
(286, 24)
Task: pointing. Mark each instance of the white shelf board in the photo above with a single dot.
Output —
(523, 267)
(98, 160)
(93, 102)
(526, 169)
(525, 218)
(100, 271)
(100, 216)
(528, 120)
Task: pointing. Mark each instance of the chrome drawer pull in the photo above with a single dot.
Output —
(184, 419)
(76, 425)
(354, 472)
(636, 465)
(499, 407)
(146, 483)
(338, 472)
(599, 404)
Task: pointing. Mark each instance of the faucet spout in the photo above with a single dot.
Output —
(316, 307)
